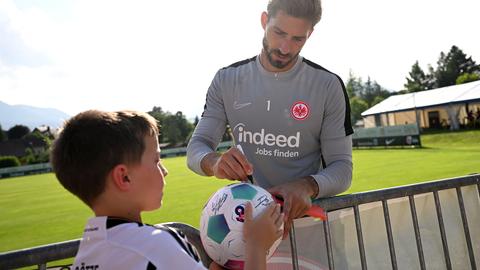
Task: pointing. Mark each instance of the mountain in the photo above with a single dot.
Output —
(32, 117)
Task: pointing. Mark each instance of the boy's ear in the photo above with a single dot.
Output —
(120, 177)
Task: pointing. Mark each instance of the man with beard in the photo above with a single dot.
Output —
(289, 118)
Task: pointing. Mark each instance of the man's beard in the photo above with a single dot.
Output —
(276, 63)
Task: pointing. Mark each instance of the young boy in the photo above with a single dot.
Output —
(111, 161)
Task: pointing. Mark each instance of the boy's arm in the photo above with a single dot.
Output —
(255, 257)
(260, 233)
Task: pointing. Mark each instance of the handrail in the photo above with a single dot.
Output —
(39, 255)
(344, 201)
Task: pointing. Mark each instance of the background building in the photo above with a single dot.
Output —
(447, 107)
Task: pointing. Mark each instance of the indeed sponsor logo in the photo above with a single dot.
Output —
(268, 139)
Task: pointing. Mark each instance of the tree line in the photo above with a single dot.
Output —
(452, 68)
(31, 155)
(175, 131)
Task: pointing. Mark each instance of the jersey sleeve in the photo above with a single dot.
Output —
(335, 175)
(336, 119)
(177, 252)
(210, 129)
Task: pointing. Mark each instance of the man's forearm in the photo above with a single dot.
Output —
(205, 138)
(313, 186)
(336, 175)
(334, 179)
(208, 162)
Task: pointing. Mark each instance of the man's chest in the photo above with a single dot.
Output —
(278, 107)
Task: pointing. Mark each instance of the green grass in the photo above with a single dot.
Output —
(36, 210)
(442, 156)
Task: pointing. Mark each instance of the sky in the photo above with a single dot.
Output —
(137, 54)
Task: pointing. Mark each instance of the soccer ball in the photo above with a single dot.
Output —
(221, 223)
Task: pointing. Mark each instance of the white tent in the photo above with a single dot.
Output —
(450, 99)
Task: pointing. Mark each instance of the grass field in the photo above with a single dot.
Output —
(36, 210)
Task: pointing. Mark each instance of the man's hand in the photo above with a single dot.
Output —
(231, 165)
(296, 196)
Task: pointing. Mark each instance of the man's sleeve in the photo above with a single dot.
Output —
(210, 129)
(335, 176)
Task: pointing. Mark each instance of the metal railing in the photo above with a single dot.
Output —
(355, 200)
(25, 170)
(48, 253)
(39, 256)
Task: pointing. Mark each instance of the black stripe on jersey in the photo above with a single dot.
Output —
(347, 123)
(150, 266)
(181, 240)
(243, 62)
(234, 65)
(112, 222)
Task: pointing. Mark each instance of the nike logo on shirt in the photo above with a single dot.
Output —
(238, 106)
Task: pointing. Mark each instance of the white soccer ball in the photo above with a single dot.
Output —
(221, 223)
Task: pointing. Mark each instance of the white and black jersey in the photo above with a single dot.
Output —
(290, 124)
(113, 243)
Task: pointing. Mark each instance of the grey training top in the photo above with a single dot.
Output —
(290, 124)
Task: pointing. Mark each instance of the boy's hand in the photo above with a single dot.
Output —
(262, 231)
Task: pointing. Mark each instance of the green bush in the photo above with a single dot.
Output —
(9, 161)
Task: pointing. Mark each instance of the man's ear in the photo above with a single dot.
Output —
(310, 33)
(120, 177)
(264, 20)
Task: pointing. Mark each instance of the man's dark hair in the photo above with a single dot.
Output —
(310, 10)
(93, 142)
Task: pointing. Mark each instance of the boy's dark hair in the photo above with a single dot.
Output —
(93, 142)
(310, 10)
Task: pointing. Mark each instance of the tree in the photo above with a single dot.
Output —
(363, 95)
(3, 136)
(174, 129)
(159, 115)
(17, 132)
(37, 134)
(357, 106)
(354, 86)
(377, 100)
(467, 77)
(372, 90)
(184, 126)
(9, 161)
(418, 81)
(452, 65)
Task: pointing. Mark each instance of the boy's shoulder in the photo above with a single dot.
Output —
(133, 242)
